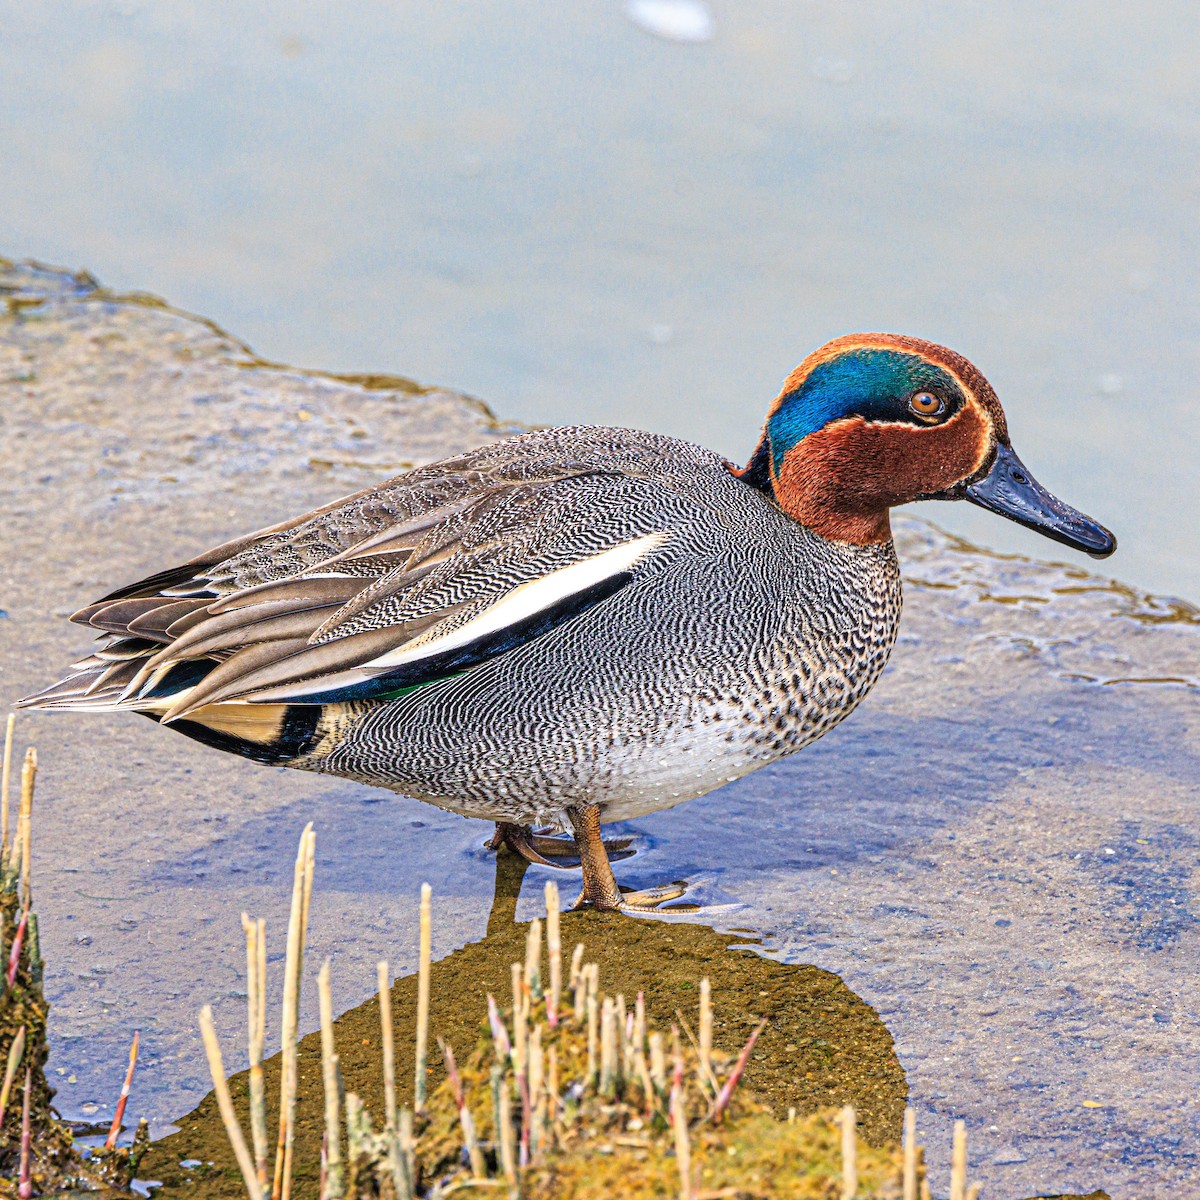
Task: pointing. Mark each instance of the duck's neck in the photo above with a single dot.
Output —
(815, 489)
(757, 472)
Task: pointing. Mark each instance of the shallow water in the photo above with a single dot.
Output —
(997, 852)
(544, 205)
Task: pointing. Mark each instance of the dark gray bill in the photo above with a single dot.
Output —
(1010, 490)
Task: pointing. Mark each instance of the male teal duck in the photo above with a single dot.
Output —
(580, 624)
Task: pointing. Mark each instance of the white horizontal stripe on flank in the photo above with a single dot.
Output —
(529, 598)
(523, 601)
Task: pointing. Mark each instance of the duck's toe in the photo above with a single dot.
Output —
(652, 899)
(565, 847)
(647, 900)
(520, 839)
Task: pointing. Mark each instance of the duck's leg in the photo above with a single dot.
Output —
(599, 883)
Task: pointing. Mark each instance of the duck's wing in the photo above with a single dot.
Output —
(395, 587)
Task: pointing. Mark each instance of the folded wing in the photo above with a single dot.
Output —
(394, 588)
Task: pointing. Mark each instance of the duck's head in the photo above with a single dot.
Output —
(873, 420)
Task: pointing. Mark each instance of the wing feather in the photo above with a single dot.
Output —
(422, 577)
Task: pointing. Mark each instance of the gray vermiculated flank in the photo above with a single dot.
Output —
(739, 641)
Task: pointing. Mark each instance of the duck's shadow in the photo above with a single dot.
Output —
(822, 1046)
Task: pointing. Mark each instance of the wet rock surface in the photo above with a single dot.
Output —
(997, 852)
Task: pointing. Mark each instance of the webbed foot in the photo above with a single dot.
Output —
(544, 849)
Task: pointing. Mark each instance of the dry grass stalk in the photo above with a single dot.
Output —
(408, 1153)
(354, 1129)
(533, 961)
(526, 1120)
(114, 1130)
(7, 772)
(334, 1178)
(683, 1147)
(424, 952)
(293, 965)
(516, 977)
(256, 1005)
(499, 1033)
(849, 1153)
(25, 822)
(537, 1094)
(642, 1071)
(624, 1062)
(593, 1027)
(25, 1185)
(504, 1123)
(520, 1021)
(726, 1093)
(958, 1162)
(537, 1064)
(388, 1054)
(608, 1047)
(910, 1154)
(704, 1071)
(15, 1053)
(575, 982)
(465, 1120)
(14, 955)
(630, 1047)
(593, 973)
(16, 862)
(974, 1191)
(553, 951)
(658, 1062)
(233, 1130)
(706, 1028)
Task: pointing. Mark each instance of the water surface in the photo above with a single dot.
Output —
(541, 204)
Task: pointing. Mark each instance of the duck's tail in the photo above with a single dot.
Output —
(110, 680)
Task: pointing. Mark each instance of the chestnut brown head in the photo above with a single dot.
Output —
(873, 420)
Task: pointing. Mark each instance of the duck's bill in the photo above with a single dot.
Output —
(1010, 490)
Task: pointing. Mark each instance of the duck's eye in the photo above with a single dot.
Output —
(926, 405)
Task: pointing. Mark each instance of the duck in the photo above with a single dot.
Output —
(577, 625)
